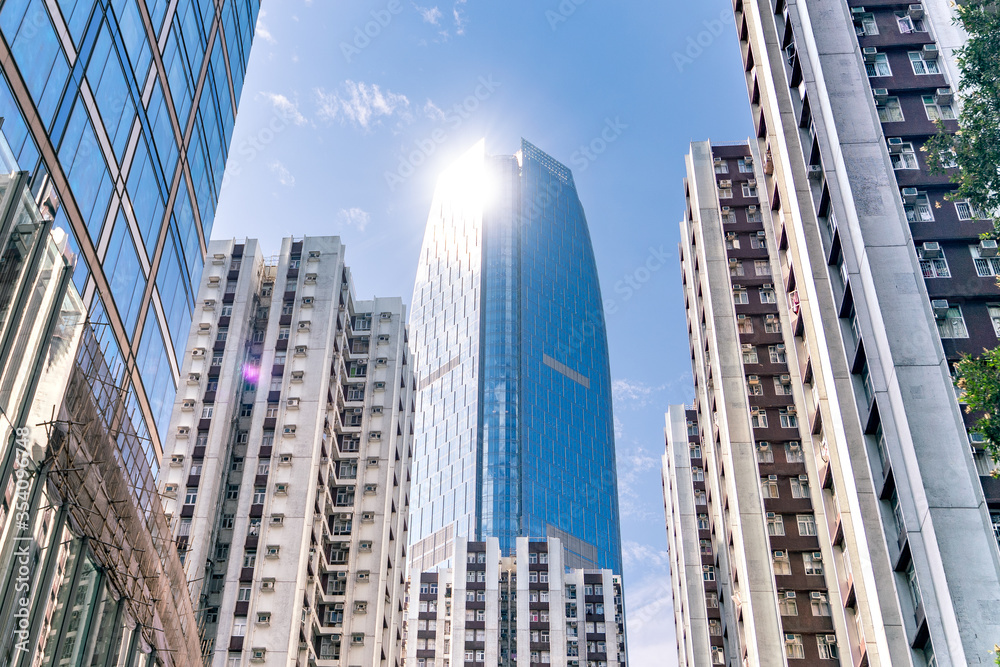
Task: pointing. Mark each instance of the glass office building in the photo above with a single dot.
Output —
(122, 112)
(514, 435)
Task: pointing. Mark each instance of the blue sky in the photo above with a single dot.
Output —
(351, 109)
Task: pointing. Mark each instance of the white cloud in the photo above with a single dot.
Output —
(650, 617)
(261, 30)
(433, 111)
(628, 394)
(430, 15)
(460, 20)
(354, 217)
(635, 471)
(619, 428)
(285, 108)
(284, 176)
(634, 553)
(361, 104)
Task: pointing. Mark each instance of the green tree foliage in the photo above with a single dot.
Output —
(979, 378)
(976, 145)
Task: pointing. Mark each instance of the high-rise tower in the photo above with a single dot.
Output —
(514, 431)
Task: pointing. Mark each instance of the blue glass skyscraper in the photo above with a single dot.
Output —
(514, 435)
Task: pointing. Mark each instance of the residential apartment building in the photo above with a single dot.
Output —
(833, 447)
(287, 469)
(515, 435)
(526, 608)
(119, 116)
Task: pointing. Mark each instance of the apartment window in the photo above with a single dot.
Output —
(754, 387)
(764, 453)
(800, 488)
(272, 411)
(227, 519)
(769, 488)
(750, 355)
(935, 268)
(694, 449)
(732, 242)
(700, 497)
(708, 573)
(712, 600)
(275, 383)
(891, 111)
(865, 25)
(697, 474)
(267, 439)
(244, 593)
(706, 547)
(880, 66)
(745, 165)
(952, 325)
(239, 626)
(994, 311)
(758, 418)
(762, 267)
(758, 243)
(937, 111)
(922, 65)
(745, 325)
(191, 496)
(222, 334)
(820, 605)
(777, 354)
(344, 496)
(782, 566)
(246, 410)
(195, 469)
(794, 453)
(284, 333)
(793, 647)
(217, 359)
(813, 562)
(280, 357)
(908, 25)
(966, 211)
(249, 558)
(767, 296)
(782, 387)
(897, 512)
(787, 418)
(718, 655)
(985, 266)
(206, 412)
(920, 210)
(827, 645)
(703, 522)
(736, 268)
(807, 525)
(715, 627)
(287, 307)
(729, 218)
(721, 167)
(788, 606)
(749, 190)
(263, 467)
(725, 193)
(740, 296)
(775, 525)
(772, 326)
(905, 158)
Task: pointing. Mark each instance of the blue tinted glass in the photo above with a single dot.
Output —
(187, 231)
(233, 48)
(172, 283)
(35, 47)
(225, 105)
(154, 369)
(203, 185)
(144, 192)
(84, 165)
(163, 130)
(134, 35)
(121, 265)
(16, 130)
(192, 33)
(107, 81)
(80, 272)
(157, 9)
(178, 77)
(76, 13)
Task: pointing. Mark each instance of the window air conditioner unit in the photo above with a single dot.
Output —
(725, 184)
(198, 353)
(780, 347)
(209, 304)
(895, 144)
(297, 376)
(915, 11)
(281, 489)
(785, 379)
(379, 386)
(383, 338)
(752, 209)
(214, 281)
(177, 459)
(170, 490)
(931, 250)
(771, 515)
(940, 308)
(183, 431)
(857, 11)
(381, 361)
(909, 195)
(831, 639)
(869, 53)
(944, 96)
(258, 655)
(204, 327)
(289, 430)
(277, 519)
(385, 315)
(930, 51)
(188, 405)
(293, 402)
(815, 171)
(310, 278)
(803, 478)
(753, 379)
(218, 259)
(313, 256)
(761, 234)
(194, 378)
(304, 325)
(881, 94)
(988, 248)
(376, 409)
(817, 555)
(357, 411)
(779, 554)
(375, 435)
(767, 286)
(300, 350)
(816, 595)
(727, 209)
(789, 595)
(752, 183)
(772, 478)
(307, 301)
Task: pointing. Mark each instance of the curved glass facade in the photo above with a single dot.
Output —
(515, 433)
